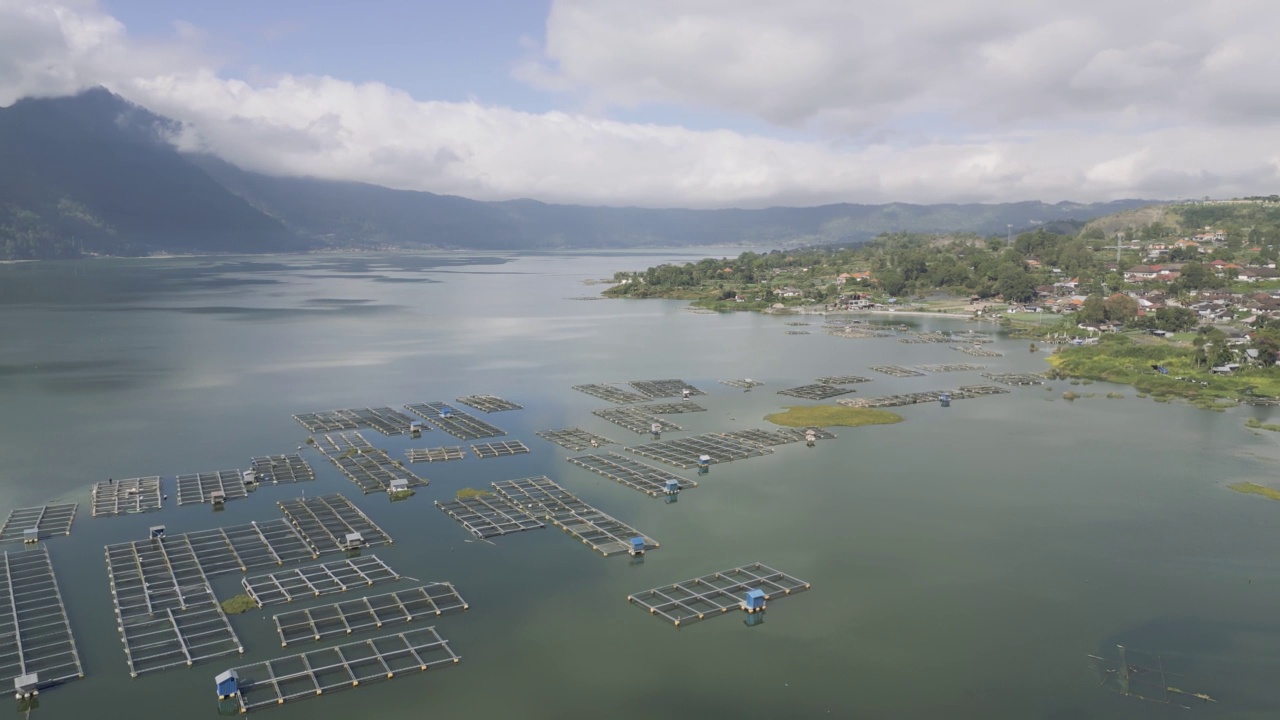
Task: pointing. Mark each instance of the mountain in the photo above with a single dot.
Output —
(93, 173)
(355, 214)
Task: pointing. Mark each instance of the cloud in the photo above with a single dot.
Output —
(922, 102)
(983, 64)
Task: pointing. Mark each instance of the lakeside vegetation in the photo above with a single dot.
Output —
(1256, 424)
(1249, 488)
(1120, 358)
(832, 416)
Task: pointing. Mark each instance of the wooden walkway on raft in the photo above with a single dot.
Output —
(373, 471)
(503, 448)
(199, 487)
(963, 392)
(713, 595)
(283, 469)
(744, 383)
(636, 421)
(487, 516)
(47, 520)
(575, 439)
(685, 452)
(1015, 378)
(977, 351)
(307, 675)
(843, 380)
(374, 611)
(385, 420)
(455, 422)
(35, 635)
(541, 497)
(951, 367)
(611, 394)
(337, 443)
(672, 387)
(817, 391)
(326, 520)
(134, 495)
(489, 403)
(646, 478)
(781, 436)
(166, 611)
(897, 371)
(315, 580)
(439, 454)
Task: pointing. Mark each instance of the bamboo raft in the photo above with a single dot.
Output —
(819, 391)
(439, 454)
(166, 611)
(650, 480)
(713, 595)
(282, 469)
(373, 611)
(897, 371)
(489, 403)
(200, 487)
(455, 422)
(684, 453)
(46, 520)
(489, 516)
(635, 420)
(962, 393)
(541, 497)
(134, 495)
(843, 380)
(35, 634)
(611, 394)
(669, 388)
(1015, 378)
(575, 439)
(313, 673)
(326, 520)
(504, 448)
(311, 581)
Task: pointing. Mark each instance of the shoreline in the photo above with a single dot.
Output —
(892, 313)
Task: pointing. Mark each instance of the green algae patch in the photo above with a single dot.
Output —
(1249, 488)
(238, 604)
(832, 416)
(468, 493)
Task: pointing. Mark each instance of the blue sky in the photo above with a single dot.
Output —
(695, 103)
(434, 50)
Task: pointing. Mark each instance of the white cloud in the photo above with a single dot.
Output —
(923, 102)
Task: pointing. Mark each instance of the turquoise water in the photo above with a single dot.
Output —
(964, 561)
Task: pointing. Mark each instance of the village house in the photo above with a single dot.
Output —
(1254, 274)
(1140, 273)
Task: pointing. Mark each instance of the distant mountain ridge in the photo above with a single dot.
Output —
(93, 173)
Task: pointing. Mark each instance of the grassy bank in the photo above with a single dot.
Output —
(1257, 424)
(832, 416)
(1119, 359)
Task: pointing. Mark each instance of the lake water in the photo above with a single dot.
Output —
(963, 562)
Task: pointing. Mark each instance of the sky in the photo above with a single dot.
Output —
(692, 103)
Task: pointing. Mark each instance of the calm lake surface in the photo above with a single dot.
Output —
(963, 562)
